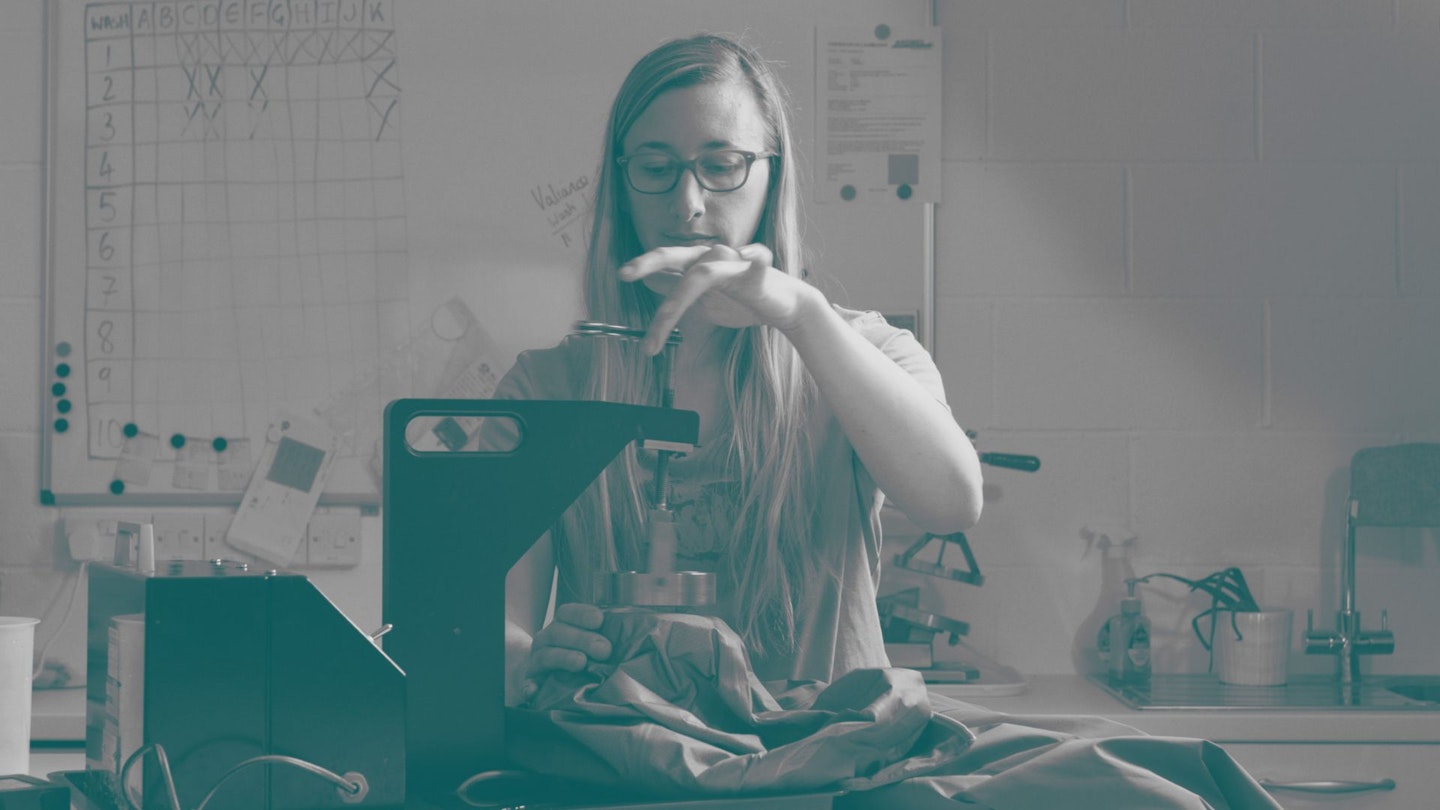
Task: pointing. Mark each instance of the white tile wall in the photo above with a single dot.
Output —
(1037, 518)
(1245, 230)
(1417, 15)
(966, 73)
(997, 13)
(1343, 94)
(1196, 351)
(21, 95)
(20, 366)
(1261, 13)
(1337, 363)
(1116, 364)
(1199, 499)
(1420, 229)
(1028, 229)
(1189, 256)
(20, 274)
(964, 346)
(1113, 94)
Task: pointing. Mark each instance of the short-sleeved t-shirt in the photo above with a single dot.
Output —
(838, 624)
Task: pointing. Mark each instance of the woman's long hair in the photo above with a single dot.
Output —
(770, 395)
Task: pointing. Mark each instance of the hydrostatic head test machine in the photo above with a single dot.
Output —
(456, 521)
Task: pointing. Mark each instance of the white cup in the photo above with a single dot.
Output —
(1255, 649)
(17, 669)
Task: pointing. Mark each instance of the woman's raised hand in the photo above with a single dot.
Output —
(733, 288)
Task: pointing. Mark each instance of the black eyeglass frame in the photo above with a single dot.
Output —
(689, 165)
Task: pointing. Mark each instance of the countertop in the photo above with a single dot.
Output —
(1070, 694)
(59, 715)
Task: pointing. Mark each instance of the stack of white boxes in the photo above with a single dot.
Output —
(124, 728)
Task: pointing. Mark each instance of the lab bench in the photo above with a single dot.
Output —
(1283, 745)
(1350, 750)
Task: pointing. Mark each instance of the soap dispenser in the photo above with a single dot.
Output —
(1129, 638)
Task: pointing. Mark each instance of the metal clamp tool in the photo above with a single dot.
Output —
(660, 585)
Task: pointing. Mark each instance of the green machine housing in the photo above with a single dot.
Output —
(242, 663)
(455, 522)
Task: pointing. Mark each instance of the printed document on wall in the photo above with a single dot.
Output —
(878, 98)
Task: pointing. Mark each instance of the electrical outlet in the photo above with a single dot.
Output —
(90, 538)
(332, 540)
(216, 526)
(180, 536)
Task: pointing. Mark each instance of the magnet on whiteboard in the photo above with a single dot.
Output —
(847, 192)
(904, 191)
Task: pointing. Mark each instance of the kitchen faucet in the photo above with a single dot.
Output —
(1392, 486)
(1347, 642)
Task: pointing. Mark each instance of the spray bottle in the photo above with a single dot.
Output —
(1091, 649)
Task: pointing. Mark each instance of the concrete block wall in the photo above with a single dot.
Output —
(1188, 256)
(29, 583)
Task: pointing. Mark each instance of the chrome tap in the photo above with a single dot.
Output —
(1348, 641)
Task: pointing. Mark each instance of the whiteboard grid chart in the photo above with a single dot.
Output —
(245, 228)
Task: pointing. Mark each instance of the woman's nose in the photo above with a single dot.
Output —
(689, 197)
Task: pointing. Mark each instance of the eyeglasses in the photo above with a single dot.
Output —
(719, 170)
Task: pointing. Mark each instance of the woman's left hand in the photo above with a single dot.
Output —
(733, 288)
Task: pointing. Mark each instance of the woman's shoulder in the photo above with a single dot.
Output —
(897, 343)
(874, 327)
(555, 372)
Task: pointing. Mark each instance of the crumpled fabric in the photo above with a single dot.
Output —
(677, 711)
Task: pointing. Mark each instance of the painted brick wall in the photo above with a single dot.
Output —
(1189, 256)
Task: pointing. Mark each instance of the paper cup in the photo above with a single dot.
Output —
(17, 649)
(1254, 650)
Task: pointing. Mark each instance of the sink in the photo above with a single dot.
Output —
(1419, 688)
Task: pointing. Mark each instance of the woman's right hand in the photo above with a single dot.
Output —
(569, 643)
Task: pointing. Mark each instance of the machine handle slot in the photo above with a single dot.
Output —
(497, 433)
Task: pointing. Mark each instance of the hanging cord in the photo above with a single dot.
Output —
(164, 771)
(352, 787)
(64, 620)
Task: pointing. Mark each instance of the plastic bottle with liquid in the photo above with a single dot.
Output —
(1090, 652)
(1129, 637)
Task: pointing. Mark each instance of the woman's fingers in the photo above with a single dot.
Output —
(569, 642)
(580, 614)
(686, 276)
(549, 659)
(673, 260)
(708, 272)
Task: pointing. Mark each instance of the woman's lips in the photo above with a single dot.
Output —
(689, 239)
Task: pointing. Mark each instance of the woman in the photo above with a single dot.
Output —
(807, 411)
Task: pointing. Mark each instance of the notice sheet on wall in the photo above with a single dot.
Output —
(878, 114)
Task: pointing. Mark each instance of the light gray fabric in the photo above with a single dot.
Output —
(678, 712)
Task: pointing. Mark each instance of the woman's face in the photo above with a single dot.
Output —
(686, 122)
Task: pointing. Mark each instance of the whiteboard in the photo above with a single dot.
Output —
(261, 209)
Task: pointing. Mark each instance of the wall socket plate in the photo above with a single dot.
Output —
(332, 540)
(179, 536)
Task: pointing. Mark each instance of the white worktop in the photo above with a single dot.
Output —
(1069, 694)
(59, 715)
